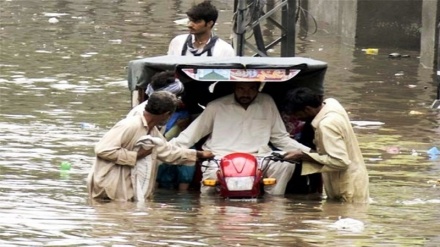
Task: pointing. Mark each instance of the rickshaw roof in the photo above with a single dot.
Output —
(310, 71)
(208, 78)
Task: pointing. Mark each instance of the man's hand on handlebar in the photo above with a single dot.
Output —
(203, 155)
(294, 155)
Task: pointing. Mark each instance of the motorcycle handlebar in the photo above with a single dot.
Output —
(263, 160)
(274, 156)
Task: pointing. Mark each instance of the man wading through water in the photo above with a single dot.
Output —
(201, 41)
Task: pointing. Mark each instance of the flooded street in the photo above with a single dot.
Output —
(63, 85)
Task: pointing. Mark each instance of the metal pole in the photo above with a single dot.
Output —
(241, 27)
(257, 29)
(436, 103)
(288, 22)
(303, 20)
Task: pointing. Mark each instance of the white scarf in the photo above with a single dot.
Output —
(175, 88)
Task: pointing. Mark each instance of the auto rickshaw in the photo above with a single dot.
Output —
(208, 78)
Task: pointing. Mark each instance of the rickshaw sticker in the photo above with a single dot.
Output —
(213, 74)
(241, 74)
(208, 74)
(262, 74)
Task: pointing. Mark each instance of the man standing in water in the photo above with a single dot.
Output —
(201, 41)
(338, 156)
(110, 177)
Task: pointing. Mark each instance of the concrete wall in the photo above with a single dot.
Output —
(389, 24)
(429, 50)
(338, 17)
(397, 24)
(371, 23)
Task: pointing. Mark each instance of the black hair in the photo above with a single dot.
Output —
(161, 102)
(203, 11)
(298, 99)
(162, 79)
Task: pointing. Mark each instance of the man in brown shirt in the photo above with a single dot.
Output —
(110, 176)
(338, 156)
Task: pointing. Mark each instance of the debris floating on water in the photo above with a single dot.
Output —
(433, 151)
(65, 166)
(366, 123)
(349, 225)
(88, 126)
(415, 113)
(414, 153)
(400, 73)
(371, 51)
(53, 20)
(115, 41)
(397, 55)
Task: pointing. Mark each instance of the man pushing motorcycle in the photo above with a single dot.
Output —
(245, 121)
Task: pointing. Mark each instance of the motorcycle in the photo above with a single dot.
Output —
(239, 176)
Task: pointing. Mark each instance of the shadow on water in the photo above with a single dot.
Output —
(63, 85)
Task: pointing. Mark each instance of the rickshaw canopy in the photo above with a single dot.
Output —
(279, 74)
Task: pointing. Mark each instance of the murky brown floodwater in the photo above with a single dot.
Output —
(55, 76)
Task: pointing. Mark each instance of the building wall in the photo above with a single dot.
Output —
(392, 24)
(429, 42)
(336, 17)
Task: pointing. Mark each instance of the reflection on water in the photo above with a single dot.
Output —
(62, 86)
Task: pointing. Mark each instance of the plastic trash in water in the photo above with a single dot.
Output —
(415, 113)
(371, 51)
(65, 169)
(397, 55)
(53, 20)
(349, 225)
(65, 166)
(414, 153)
(88, 126)
(433, 157)
(433, 151)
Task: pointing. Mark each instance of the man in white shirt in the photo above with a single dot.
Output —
(200, 41)
(245, 121)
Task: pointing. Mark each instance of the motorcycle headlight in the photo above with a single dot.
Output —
(239, 183)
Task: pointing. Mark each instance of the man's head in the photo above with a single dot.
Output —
(202, 17)
(246, 92)
(165, 81)
(303, 103)
(161, 105)
(162, 79)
